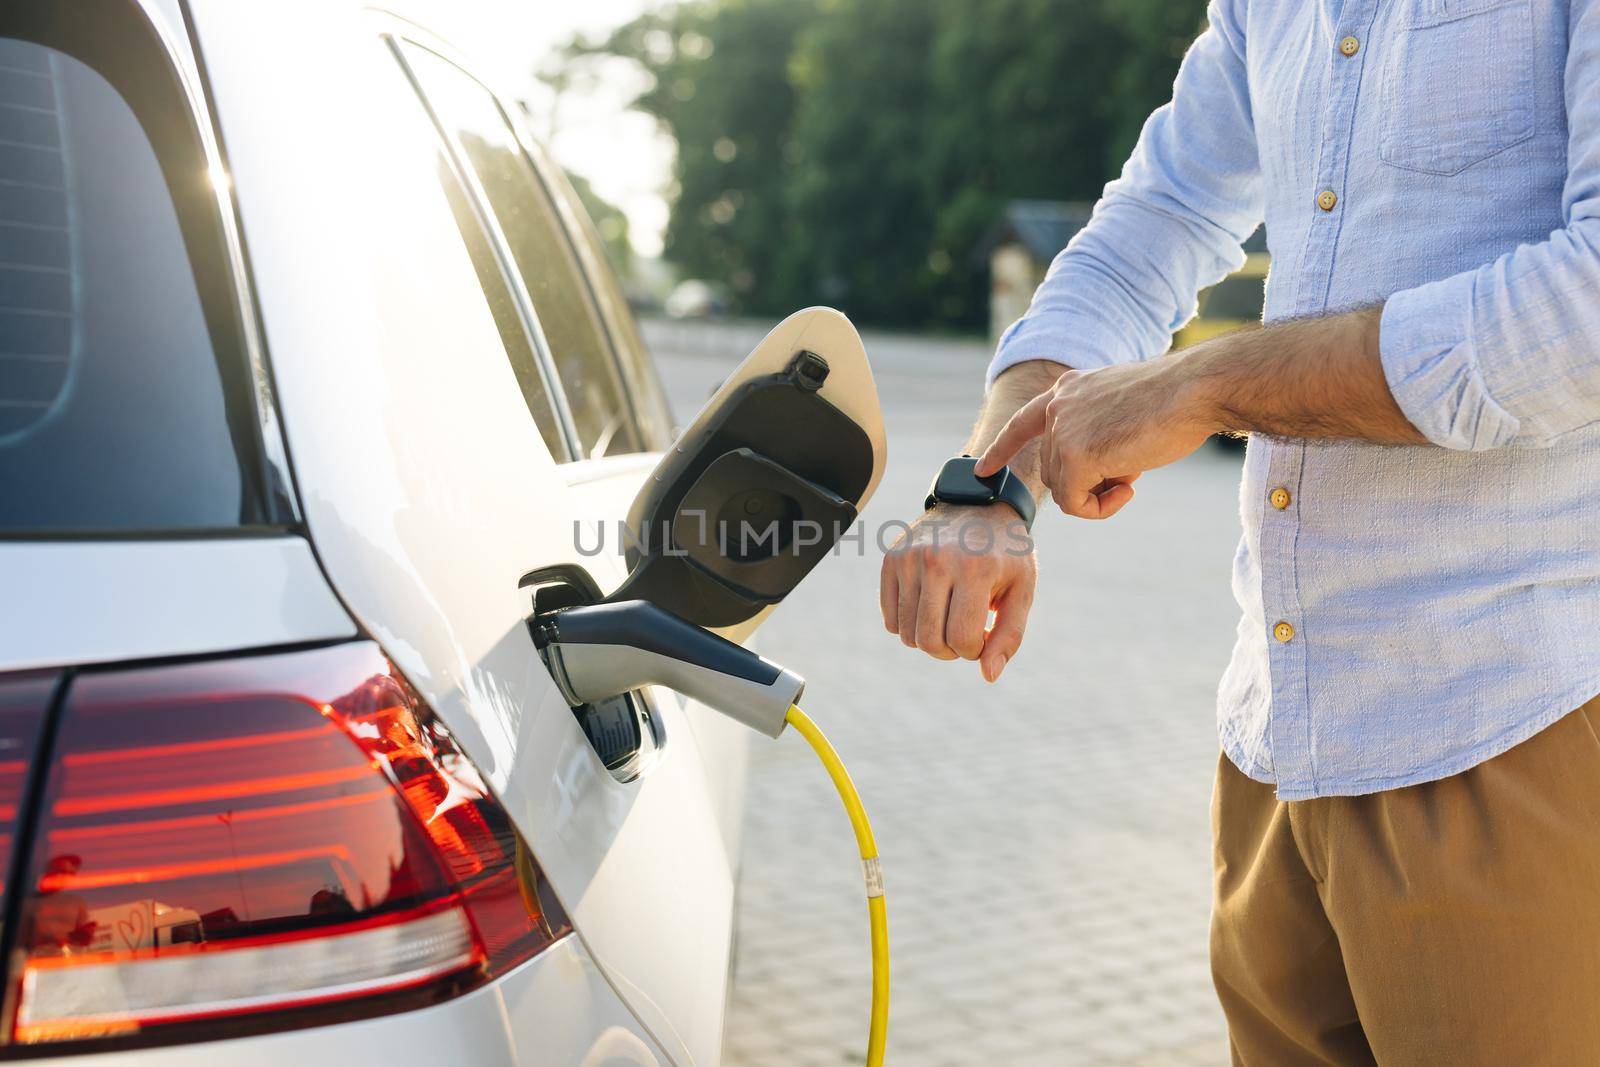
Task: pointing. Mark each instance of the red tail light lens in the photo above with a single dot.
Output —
(289, 833)
(24, 702)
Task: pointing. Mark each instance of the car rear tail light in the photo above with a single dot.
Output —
(290, 834)
(24, 702)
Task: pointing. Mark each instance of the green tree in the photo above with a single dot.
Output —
(1153, 36)
(859, 200)
(719, 82)
(1025, 110)
(609, 221)
(855, 151)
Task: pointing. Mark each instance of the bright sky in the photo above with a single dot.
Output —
(589, 130)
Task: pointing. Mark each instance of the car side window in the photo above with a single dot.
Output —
(503, 306)
(649, 397)
(544, 257)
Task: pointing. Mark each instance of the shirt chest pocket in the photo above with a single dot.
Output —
(1457, 83)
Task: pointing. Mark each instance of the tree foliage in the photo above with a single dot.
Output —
(856, 151)
(610, 222)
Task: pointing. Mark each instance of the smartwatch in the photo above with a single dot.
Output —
(956, 484)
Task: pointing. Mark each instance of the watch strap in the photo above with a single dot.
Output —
(1006, 488)
(1014, 491)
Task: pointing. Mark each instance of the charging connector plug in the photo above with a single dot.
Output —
(603, 650)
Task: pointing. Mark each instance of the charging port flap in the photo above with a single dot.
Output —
(765, 481)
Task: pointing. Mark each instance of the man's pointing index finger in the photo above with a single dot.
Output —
(1024, 426)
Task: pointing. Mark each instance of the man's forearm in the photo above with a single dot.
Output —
(1316, 378)
(1010, 392)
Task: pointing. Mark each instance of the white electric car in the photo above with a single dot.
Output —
(312, 381)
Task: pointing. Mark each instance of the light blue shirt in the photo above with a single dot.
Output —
(1444, 600)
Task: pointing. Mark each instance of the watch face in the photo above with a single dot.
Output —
(958, 485)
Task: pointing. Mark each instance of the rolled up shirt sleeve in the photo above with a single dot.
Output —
(1510, 352)
(1170, 225)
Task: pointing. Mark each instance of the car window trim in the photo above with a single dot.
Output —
(605, 468)
(520, 296)
(274, 441)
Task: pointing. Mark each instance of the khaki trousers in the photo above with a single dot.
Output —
(1455, 922)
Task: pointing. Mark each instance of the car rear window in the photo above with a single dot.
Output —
(124, 400)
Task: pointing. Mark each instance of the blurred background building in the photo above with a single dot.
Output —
(1019, 249)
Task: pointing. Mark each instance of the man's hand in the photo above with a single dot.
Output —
(1100, 429)
(954, 565)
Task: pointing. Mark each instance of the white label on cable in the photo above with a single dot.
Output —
(872, 871)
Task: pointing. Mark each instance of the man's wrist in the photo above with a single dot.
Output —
(1014, 388)
(1030, 377)
(1200, 387)
(996, 511)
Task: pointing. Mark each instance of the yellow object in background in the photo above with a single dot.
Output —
(1233, 302)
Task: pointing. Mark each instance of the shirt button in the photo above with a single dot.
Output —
(1326, 199)
(1349, 46)
(1280, 498)
(1283, 632)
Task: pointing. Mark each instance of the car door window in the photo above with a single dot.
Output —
(503, 306)
(515, 338)
(650, 407)
(543, 254)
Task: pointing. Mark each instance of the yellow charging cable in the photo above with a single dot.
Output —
(876, 915)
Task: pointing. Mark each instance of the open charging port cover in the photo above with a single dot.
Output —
(764, 482)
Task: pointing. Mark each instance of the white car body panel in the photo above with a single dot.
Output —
(557, 1009)
(73, 602)
(428, 492)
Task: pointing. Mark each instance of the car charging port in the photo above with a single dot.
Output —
(623, 730)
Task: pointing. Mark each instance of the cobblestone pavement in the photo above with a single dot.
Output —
(1045, 841)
